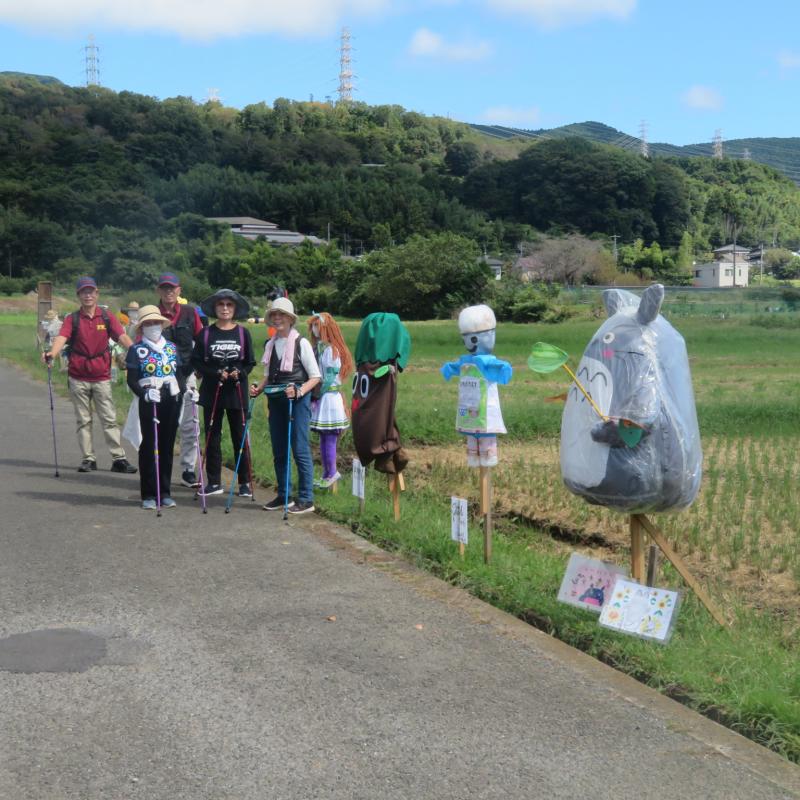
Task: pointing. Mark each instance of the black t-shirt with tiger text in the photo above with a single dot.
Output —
(215, 349)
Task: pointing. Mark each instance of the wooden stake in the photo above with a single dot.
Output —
(402, 481)
(486, 511)
(394, 488)
(637, 549)
(334, 487)
(461, 549)
(680, 565)
(652, 565)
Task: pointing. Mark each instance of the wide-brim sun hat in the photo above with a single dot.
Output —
(283, 304)
(150, 314)
(209, 305)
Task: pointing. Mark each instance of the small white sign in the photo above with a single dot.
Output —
(359, 479)
(458, 520)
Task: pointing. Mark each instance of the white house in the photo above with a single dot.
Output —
(719, 275)
(251, 228)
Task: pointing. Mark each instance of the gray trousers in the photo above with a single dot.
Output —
(186, 429)
(83, 394)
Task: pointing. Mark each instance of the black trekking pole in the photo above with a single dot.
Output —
(49, 361)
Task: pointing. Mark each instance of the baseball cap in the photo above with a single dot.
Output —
(85, 283)
(168, 279)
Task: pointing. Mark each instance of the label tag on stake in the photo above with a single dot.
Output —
(359, 479)
(458, 520)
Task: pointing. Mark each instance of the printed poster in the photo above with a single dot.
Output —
(587, 582)
(458, 520)
(644, 611)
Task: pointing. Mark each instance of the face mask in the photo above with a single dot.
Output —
(151, 332)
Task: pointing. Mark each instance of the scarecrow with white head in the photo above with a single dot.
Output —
(478, 416)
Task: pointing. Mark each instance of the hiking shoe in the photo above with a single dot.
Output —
(87, 465)
(245, 490)
(212, 488)
(276, 504)
(189, 479)
(168, 502)
(149, 504)
(300, 508)
(122, 465)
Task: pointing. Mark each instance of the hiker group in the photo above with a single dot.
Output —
(176, 361)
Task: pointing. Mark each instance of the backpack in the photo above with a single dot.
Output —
(69, 347)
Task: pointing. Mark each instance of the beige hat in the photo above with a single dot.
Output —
(150, 314)
(282, 304)
(51, 314)
(133, 304)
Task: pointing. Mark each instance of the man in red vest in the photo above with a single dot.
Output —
(88, 332)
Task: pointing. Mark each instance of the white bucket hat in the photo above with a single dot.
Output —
(476, 319)
(285, 305)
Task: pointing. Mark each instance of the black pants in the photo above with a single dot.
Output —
(168, 411)
(214, 440)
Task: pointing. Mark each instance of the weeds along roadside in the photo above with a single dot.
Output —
(746, 677)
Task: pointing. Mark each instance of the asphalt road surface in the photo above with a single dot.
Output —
(236, 656)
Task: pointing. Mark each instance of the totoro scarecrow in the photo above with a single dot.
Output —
(382, 350)
(639, 449)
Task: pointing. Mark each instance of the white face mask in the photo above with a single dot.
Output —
(151, 332)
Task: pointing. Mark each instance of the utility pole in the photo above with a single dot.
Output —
(644, 148)
(92, 63)
(761, 263)
(345, 68)
(718, 144)
(615, 251)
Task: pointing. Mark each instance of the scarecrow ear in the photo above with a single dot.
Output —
(613, 301)
(652, 297)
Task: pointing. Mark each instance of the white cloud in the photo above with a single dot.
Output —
(557, 13)
(427, 44)
(193, 19)
(702, 98)
(512, 117)
(788, 60)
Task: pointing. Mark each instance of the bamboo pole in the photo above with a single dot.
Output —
(637, 549)
(394, 488)
(486, 511)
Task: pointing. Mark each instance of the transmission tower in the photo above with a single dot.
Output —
(92, 63)
(212, 95)
(747, 155)
(644, 147)
(718, 143)
(345, 68)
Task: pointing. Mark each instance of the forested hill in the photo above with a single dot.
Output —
(781, 153)
(119, 184)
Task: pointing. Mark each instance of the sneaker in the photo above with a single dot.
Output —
(326, 483)
(149, 504)
(276, 504)
(87, 465)
(122, 465)
(168, 502)
(189, 479)
(299, 507)
(212, 488)
(245, 490)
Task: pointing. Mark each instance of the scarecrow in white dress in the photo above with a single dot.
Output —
(328, 413)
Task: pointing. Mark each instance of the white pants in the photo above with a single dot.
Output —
(186, 429)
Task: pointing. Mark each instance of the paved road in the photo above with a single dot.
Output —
(210, 668)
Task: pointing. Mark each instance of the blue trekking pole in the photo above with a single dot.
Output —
(288, 461)
(244, 443)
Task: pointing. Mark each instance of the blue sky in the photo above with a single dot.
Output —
(685, 68)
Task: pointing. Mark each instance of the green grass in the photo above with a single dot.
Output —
(747, 676)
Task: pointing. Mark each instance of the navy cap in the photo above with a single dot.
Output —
(85, 283)
(168, 279)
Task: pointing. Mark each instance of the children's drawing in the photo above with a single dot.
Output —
(587, 582)
(644, 611)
